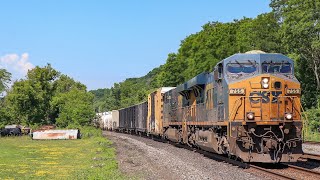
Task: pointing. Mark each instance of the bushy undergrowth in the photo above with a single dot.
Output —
(87, 131)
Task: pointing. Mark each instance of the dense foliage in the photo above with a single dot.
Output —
(47, 97)
(292, 28)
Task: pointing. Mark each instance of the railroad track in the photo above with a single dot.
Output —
(312, 142)
(313, 157)
(284, 171)
(274, 171)
(268, 172)
(309, 156)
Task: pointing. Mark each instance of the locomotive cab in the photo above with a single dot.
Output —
(263, 107)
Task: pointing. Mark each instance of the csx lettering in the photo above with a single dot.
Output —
(264, 96)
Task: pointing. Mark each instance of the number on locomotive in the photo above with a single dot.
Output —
(293, 91)
(237, 91)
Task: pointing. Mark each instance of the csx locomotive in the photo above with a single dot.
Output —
(248, 108)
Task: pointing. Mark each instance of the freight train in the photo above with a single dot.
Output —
(247, 108)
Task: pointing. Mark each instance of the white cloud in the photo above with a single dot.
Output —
(15, 64)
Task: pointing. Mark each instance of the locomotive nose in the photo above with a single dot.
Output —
(266, 96)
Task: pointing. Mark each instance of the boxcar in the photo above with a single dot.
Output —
(106, 120)
(141, 113)
(122, 117)
(115, 120)
(155, 111)
(127, 118)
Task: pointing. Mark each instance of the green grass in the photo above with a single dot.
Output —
(92, 157)
(312, 136)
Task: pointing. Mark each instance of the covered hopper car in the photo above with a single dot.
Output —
(248, 107)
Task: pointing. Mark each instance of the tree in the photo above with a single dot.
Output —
(300, 33)
(5, 78)
(47, 97)
(75, 108)
(30, 99)
(171, 74)
(63, 85)
(259, 33)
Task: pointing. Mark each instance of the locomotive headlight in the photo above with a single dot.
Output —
(288, 116)
(265, 83)
(250, 115)
(265, 80)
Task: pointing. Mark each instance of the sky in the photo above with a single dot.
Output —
(100, 43)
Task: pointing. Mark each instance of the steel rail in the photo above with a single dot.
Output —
(270, 172)
(304, 170)
(309, 156)
(312, 142)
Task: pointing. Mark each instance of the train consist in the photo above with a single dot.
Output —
(248, 108)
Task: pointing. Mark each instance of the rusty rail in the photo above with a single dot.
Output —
(303, 170)
(277, 175)
(312, 142)
(309, 156)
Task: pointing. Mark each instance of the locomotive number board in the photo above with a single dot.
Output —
(237, 91)
(293, 91)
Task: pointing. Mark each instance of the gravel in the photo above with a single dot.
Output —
(311, 148)
(143, 158)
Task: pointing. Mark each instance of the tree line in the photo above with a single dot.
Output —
(291, 28)
(45, 97)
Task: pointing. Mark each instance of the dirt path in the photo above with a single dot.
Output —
(144, 158)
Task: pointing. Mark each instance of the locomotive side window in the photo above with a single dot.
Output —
(220, 71)
(277, 68)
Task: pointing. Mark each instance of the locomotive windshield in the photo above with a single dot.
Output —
(277, 68)
(237, 70)
(241, 68)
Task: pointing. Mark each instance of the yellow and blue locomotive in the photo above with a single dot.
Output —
(248, 107)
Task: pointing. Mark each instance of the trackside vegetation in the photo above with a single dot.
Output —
(91, 157)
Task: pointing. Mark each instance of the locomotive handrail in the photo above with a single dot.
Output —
(233, 112)
(304, 121)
